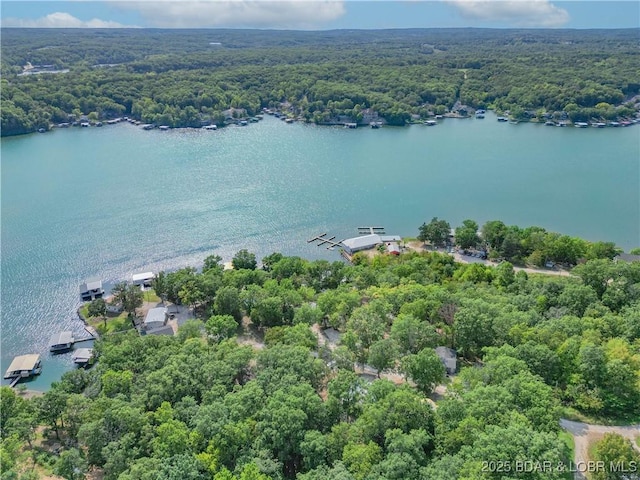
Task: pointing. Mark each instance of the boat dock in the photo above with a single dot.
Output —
(23, 366)
(322, 239)
(370, 230)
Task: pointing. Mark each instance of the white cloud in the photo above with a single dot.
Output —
(524, 13)
(59, 20)
(295, 14)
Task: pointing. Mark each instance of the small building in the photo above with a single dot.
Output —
(156, 318)
(61, 342)
(91, 289)
(449, 358)
(393, 248)
(24, 366)
(83, 356)
(143, 279)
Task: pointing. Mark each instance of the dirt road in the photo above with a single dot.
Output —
(584, 434)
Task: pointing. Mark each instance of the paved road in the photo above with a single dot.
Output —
(583, 433)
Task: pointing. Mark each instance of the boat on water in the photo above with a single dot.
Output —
(581, 124)
(430, 123)
(503, 119)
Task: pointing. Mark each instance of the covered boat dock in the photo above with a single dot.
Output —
(24, 366)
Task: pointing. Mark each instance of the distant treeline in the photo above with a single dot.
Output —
(190, 77)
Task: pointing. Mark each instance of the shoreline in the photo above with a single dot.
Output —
(620, 123)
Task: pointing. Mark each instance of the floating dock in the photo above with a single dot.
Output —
(322, 239)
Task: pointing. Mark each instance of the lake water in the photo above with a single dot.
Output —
(109, 202)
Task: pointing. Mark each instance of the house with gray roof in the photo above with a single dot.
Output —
(155, 318)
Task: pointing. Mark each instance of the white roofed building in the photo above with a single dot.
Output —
(142, 279)
(366, 242)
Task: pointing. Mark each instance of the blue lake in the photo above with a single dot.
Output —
(109, 202)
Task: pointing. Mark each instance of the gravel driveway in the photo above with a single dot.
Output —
(584, 433)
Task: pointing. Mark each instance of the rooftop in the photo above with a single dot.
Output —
(91, 284)
(362, 241)
(24, 363)
(142, 276)
(156, 315)
(82, 355)
(61, 338)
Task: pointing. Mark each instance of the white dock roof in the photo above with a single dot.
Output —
(24, 363)
(142, 276)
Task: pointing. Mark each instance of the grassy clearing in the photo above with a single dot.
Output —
(576, 416)
(115, 322)
(570, 448)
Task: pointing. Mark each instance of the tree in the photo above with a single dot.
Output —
(382, 355)
(360, 458)
(221, 327)
(268, 312)
(435, 232)
(505, 274)
(493, 233)
(425, 369)
(227, 302)
(244, 260)
(98, 308)
(467, 234)
(615, 451)
(71, 465)
(159, 284)
(130, 297)
(602, 250)
(213, 263)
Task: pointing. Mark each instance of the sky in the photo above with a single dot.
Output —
(320, 14)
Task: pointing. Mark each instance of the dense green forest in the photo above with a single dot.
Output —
(192, 77)
(207, 404)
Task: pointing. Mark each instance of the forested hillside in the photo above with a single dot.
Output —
(190, 77)
(208, 404)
